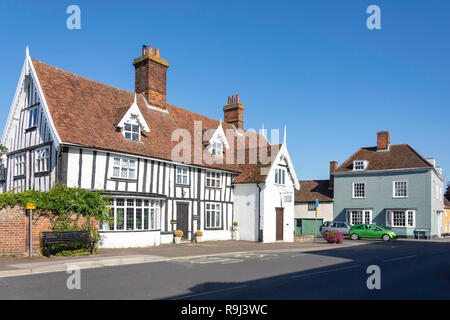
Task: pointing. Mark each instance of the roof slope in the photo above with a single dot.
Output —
(85, 112)
(400, 156)
(310, 190)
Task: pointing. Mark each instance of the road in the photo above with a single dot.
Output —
(408, 270)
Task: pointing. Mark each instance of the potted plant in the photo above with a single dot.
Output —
(178, 234)
(235, 231)
(198, 236)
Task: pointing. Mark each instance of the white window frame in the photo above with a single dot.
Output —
(217, 149)
(364, 190)
(394, 189)
(213, 179)
(33, 116)
(124, 164)
(280, 176)
(359, 216)
(19, 164)
(129, 131)
(182, 176)
(213, 215)
(152, 206)
(42, 159)
(359, 165)
(408, 215)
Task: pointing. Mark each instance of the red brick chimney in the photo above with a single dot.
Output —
(233, 112)
(333, 167)
(150, 76)
(383, 140)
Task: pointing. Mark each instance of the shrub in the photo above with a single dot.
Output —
(198, 233)
(64, 206)
(235, 224)
(333, 237)
(178, 233)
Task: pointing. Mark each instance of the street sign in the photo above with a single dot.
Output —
(31, 206)
(317, 203)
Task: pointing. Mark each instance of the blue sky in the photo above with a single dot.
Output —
(312, 65)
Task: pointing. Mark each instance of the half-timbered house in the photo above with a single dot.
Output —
(66, 129)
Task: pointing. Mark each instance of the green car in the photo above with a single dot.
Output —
(371, 231)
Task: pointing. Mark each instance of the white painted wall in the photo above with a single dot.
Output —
(325, 211)
(124, 239)
(246, 210)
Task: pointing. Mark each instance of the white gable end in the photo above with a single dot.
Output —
(134, 116)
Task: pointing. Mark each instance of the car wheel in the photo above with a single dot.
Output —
(386, 237)
(354, 236)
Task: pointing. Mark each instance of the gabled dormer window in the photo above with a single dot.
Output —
(133, 123)
(359, 165)
(218, 142)
(132, 132)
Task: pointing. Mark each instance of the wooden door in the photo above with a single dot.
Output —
(183, 218)
(279, 223)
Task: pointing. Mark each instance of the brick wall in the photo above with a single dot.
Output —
(14, 231)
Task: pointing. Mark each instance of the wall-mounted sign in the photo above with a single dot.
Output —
(196, 217)
(173, 221)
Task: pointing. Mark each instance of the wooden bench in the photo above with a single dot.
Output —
(66, 237)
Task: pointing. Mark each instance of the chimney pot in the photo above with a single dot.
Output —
(157, 52)
(150, 49)
(144, 50)
(237, 98)
(383, 140)
(229, 99)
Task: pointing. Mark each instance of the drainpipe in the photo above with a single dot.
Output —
(260, 233)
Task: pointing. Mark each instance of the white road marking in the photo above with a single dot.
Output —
(209, 292)
(325, 271)
(400, 258)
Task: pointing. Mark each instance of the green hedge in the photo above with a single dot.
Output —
(63, 203)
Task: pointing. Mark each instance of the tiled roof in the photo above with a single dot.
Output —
(310, 190)
(400, 156)
(85, 113)
(447, 202)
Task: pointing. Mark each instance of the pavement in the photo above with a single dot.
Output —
(13, 266)
(407, 270)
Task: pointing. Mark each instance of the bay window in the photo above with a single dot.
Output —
(401, 218)
(359, 216)
(133, 214)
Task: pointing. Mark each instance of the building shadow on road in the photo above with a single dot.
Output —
(409, 270)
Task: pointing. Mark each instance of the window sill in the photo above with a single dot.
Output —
(400, 197)
(31, 129)
(217, 188)
(123, 179)
(41, 173)
(182, 185)
(22, 176)
(213, 229)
